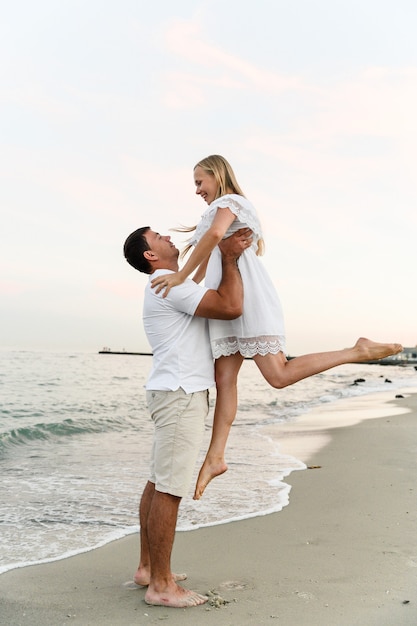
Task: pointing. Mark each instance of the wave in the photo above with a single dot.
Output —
(65, 428)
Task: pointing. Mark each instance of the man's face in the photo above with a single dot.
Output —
(162, 246)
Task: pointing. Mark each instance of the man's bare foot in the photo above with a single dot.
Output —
(142, 578)
(208, 471)
(175, 597)
(368, 350)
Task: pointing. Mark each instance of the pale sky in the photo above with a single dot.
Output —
(106, 107)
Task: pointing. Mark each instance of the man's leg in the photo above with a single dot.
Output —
(143, 573)
(179, 427)
(161, 523)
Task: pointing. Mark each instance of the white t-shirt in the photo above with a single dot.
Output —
(180, 343)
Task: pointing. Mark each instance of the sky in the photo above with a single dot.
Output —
(107, 106)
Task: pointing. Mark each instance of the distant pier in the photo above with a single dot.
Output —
(108, 351)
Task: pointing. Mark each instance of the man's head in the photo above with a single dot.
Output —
(147, 251)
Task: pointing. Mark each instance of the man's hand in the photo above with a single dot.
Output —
(237, 243)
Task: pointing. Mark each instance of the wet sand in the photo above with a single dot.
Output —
(342, 553)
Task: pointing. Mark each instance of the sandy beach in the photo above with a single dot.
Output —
(342, 553)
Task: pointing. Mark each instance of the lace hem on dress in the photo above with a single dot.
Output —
(248, 346)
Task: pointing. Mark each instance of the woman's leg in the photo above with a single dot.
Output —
(226, 370)
(280, 373)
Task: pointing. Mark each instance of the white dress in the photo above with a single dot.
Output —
(260, 329)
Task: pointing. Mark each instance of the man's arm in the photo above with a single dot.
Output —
(227, 302)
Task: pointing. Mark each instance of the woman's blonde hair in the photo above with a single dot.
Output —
(220, 168)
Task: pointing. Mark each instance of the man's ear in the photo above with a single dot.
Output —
(150, 256)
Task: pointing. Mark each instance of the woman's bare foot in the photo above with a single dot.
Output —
(143, 577)
(208, 471)
(368, 350)
(174, 596)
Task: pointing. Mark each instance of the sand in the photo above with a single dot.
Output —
(342, 553)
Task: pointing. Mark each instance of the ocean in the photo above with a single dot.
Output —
(75, 437)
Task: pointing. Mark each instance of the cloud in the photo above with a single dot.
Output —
(216, 70)
(12, 288)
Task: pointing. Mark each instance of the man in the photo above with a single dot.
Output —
(177, 396)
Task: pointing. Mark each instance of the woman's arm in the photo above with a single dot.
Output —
(201, 271)
(221, 222)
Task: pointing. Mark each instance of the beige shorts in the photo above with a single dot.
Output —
(179, 420)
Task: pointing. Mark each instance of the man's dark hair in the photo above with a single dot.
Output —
(135, 246)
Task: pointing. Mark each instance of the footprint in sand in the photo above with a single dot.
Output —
(234, 584)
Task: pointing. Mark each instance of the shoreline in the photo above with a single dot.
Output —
(341, 553)
(304, 437)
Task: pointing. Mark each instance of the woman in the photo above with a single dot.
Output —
(259, 332)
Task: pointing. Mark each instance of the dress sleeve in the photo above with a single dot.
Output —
(239, 206)
(244, 211)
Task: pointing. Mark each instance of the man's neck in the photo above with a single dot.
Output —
(166, 266)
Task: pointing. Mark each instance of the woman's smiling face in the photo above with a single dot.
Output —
(205, 185)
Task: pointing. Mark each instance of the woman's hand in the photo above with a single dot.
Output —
(166, 281)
